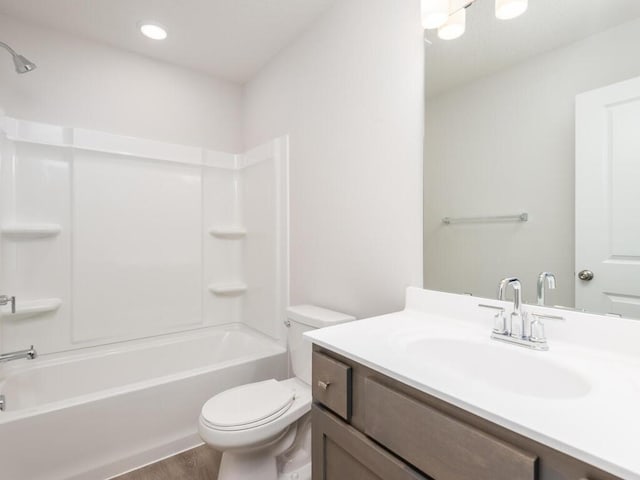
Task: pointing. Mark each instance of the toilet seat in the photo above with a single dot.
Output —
(248, 406)
(254, 432)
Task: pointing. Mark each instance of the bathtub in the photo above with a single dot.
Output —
(95, 413)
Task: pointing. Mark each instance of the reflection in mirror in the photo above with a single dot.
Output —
(532, 153)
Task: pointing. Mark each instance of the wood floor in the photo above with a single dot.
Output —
(201, 463)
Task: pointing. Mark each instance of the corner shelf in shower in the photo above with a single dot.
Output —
(228, 289)
(32, 308)
(228, 232)
(30, 230)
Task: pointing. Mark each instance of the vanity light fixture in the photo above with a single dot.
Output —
(508, 9)
(153, 30)
(455, 25)
(450, 16)
(434, 13)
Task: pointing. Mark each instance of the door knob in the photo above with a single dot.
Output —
(586, 275)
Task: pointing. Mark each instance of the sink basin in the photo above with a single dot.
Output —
(503, 367)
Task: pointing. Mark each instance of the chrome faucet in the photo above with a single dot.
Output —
(516, 322)
(518, 329)
(28, 354)
(550, 280)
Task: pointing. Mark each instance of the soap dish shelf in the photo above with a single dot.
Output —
(228, 232)
(228, 289)
(30, 230)
(32, 308)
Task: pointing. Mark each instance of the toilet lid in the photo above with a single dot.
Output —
(248, 405)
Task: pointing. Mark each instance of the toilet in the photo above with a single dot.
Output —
(263, 429)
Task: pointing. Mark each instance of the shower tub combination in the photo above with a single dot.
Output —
(142, 305)
(95, 413)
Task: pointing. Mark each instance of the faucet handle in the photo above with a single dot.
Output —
(491, 307)
(537, 329)
(548, 317)
(499, 323)
(537, 326)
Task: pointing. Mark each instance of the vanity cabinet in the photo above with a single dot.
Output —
(340, 452)
(367, 425)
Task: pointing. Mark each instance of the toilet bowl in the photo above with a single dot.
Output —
(263, 428)
(253, 425)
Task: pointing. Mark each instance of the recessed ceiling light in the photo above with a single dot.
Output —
(153, 30)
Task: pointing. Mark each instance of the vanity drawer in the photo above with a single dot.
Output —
(439, 445)
(340, 452)
(331, 384)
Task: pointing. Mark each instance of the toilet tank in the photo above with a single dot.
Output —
(303, 318)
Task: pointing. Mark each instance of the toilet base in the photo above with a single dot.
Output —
(258, 463)
(243, 466)
(302, 473)
(295, 463)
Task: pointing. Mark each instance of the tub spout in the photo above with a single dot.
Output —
(28, 354)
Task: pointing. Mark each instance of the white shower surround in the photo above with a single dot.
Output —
(72, 206)
(149, 276)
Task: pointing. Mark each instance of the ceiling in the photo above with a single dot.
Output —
(231, 39)
(490, 45)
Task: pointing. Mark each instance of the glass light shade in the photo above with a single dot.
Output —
(153, 31)
(455, 25)
(434, 13)
(507, 9)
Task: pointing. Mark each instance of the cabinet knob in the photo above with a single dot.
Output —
(323, 385)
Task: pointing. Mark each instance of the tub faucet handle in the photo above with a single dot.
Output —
(6, 299)
(28, 354)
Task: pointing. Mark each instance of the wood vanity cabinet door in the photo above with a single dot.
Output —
(439, 445)
(342, 453)
(331, 384)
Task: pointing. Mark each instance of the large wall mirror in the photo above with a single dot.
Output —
(532, 153)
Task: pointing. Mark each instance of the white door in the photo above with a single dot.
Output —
(608, 199)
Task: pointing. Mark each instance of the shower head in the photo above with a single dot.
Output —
(22, 64)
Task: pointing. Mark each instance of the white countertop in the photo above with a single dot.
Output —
(599, 425)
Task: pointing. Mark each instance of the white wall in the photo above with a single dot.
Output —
(505, 144)
(349, 92)
(86, 84)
